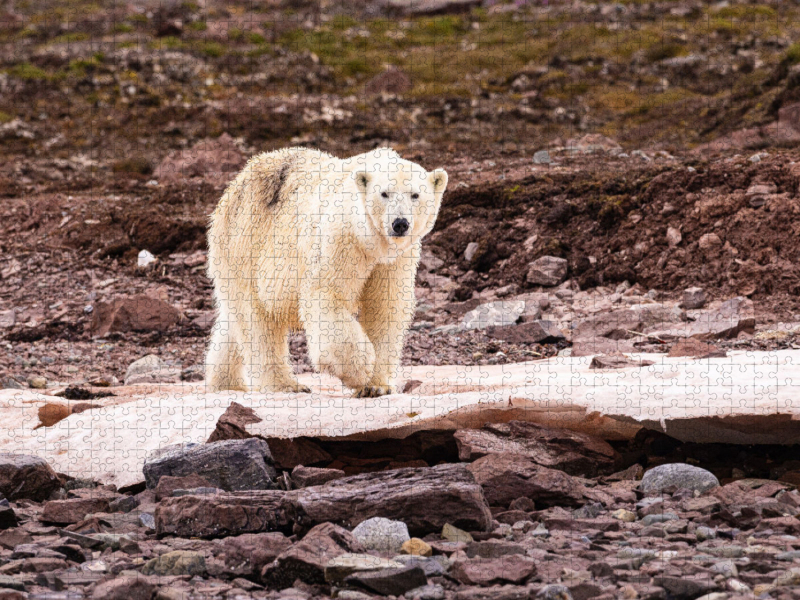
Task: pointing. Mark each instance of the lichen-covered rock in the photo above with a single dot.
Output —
(678, 475)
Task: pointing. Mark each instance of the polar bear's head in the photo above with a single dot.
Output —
(401, 199)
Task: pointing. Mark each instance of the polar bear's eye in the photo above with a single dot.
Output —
(414, 196)
(384, 195)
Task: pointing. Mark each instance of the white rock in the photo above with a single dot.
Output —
(382, 535)
(469, 253)
(547, 270)
(494, 314)
(674, 237)
(145, 258)
(151, 369)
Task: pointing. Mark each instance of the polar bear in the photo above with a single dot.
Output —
(303, 240)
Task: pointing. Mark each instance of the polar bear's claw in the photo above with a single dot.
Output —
(374, 391)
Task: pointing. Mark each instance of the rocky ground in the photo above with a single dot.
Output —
(622, 177)
(510, 511)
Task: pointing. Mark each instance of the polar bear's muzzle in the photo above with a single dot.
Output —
(400, 227)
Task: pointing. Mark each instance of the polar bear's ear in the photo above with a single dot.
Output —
(438, 178)
(362, 180)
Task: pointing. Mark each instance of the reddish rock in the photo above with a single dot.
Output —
(506, 477)
(489, 571)
(306, 560)
(247, 555)
(65, 512)
(221, 515)
(309, 476)
(33, 565)
(425, 499)
(168, 484)
(23, 476)
(232, 425)
(133, 313)
(733, 317)
(569, 451)
(124, 588)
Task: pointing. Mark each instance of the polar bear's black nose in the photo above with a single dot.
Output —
(400, 226)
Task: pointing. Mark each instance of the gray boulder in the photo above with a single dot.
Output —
(382, 535)
(231, 465)
(677, 475)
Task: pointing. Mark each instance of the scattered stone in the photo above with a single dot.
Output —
(221, 515)
(493, 549)
(178, 562)
(73, 510)
(494, 314)
(230, 465)
(232, 425)
(432, 591)
(11, 583)
(133, 313)
(8, 517)
(246, 555)
(733, 317)
(541, 157)
(125, 504)
(341, 567)
(37, 382)
(381, 535)
(389, 582)
(307, 559)
(308, 476)
(624, 515)
(23, 476)
(470, 251)
(416, 547)
(514, 568)
(694, 298)
(506, 477)
(685, 587)
(569, 451)
(424, 498)
(8, 318)
(547, 271)
(150, 369)
(124, 588)
(674, 237)
(145, 258)
(677, 475)
(454, 534)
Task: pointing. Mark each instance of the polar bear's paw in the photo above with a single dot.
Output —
(289, 388)
(373, 391)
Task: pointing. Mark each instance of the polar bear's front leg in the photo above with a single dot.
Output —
(336, 342)
(387, 308)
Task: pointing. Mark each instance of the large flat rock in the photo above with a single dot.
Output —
(747, 398)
